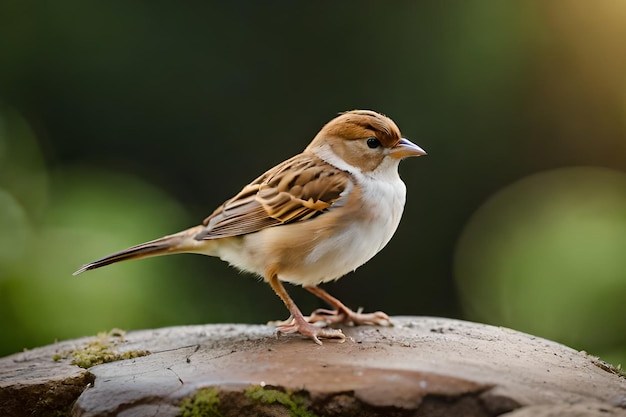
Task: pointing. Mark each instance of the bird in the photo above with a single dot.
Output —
(309, 220)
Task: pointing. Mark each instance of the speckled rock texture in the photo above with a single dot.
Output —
(419, 367)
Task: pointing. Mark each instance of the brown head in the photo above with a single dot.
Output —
(363, 139)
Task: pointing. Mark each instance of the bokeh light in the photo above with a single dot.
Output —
(85, 212)
(546, 255)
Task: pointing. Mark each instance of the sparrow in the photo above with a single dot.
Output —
(309, 220)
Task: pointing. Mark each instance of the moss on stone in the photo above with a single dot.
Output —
(295, 404)
(204, 403)
(100, 350)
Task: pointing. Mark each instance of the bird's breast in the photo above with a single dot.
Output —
(328, 246)
(359, 232)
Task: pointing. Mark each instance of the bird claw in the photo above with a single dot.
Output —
(311, 331)
(378, 318)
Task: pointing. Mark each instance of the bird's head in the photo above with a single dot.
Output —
(362, 139)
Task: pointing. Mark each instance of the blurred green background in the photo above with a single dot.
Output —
(124, 121)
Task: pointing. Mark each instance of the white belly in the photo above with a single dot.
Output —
(345, 252)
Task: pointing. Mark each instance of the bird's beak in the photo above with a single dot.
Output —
(406, 148)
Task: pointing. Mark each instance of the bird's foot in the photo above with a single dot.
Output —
(347, 316)
(300, 325)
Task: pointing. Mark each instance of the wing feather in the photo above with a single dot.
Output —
(299, 189)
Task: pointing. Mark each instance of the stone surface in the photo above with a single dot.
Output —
(420, 367)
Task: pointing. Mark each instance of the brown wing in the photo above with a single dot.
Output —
(298, 189)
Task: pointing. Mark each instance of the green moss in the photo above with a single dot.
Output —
(100, 350)
(95, 354)
(204, 403)
(51, 407)
(292, 402)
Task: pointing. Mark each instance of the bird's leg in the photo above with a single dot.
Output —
(343, 314)
(298, 323)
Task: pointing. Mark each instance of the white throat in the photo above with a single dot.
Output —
(384, 194)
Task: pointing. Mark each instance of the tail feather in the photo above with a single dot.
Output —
(177, 243)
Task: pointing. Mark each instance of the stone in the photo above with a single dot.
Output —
(419, 367)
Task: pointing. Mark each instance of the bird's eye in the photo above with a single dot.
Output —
(373, 143)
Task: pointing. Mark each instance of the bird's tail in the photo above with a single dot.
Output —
(177, 243)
